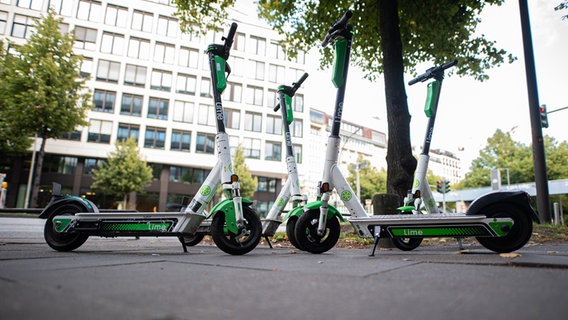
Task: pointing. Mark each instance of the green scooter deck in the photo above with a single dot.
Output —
(434, 225)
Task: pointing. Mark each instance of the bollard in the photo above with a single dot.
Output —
(556, 213)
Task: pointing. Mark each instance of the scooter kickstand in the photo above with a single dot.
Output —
(375, 243)
(268, 241)
(460, 245)
(183, 244)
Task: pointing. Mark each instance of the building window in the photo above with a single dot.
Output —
(254, 95)
(168, 26)
(86, 67)
(276, 73)
(30, 4)
(233, 92)
(237, 66)
(62, 7)
(164, 53)
(239, 43)
(104, 101)
(180, 140)
(155, 138)
(99, 131)
(158, 108)
(205, 143)
(139, 48)
(232, 118)
(108, 71)
(275, 50)
(22, 26)
(161, 80)
(188, 58)
(85, 38)
(300, 57)
(273, 151)
(256, 70)
(116, 16)
(273, 125)
(187, 175)
(91, 164)
(112, 43)
(142, 21)
(206, 115)
(131, 105)
(253, 122)
(135, 75)
(183, 111)
(252, 148)
(298, 102)
(186, 84)
(297, 128)
(126, 131)
(205, 89)
(257, 45)
(297, 153)
(3, 19)
(266, 184)
(271, 98)
(74, 135)
(59, 164)
(89, 10)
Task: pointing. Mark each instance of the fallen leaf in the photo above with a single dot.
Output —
(510, 255)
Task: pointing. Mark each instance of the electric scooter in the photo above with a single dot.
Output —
(500, 221)
(291, 189)
(235, 224)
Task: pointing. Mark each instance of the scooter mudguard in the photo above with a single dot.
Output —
(520, 198)
(228, 208)
(55, 204)
(332, 211)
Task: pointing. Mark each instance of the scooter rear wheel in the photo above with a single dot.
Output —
(290, 227)
(63, 241)
(307, 232)
(407, 244)
(519, 234)
(190, 241)
(237, 244)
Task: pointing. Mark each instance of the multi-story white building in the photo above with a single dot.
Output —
(152, 82)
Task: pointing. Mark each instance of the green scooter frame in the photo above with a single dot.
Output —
(500, 221)
(235, 224)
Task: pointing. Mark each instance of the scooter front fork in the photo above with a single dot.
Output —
(238, 204)
(323, 214)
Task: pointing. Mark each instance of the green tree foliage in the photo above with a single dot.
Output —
(43, 91)
(247, 182)
(372, 181)
(390, 36)
(503, 152)
(12, 140)
(562, 6)
(123, 172)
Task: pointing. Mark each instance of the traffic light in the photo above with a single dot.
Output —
(543, 116)
(443, 186)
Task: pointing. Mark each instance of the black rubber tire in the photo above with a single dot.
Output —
(290, 227)
(306, 232)
(520, 232)
(190, 241)
(407, 244)
(61, 241)
(228, 242)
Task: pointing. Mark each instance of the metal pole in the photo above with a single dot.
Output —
(541, 179)
(30, 176)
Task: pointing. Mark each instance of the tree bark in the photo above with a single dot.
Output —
(400, 161)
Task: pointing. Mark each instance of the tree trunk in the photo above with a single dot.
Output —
(37, 173)
(400, 161)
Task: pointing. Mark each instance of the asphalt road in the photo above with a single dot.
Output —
(152, 278)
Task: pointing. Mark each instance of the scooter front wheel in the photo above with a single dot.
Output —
(519, 234)
(307, 232)
(406, 244)
(237, 244)
(62, 241)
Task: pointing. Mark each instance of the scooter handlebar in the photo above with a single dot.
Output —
(292, 90)
(430, 73)
(296, 85)
(336, 28)
(229, 39)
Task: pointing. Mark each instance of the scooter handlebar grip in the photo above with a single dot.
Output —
(338, 25)
(230, 37)
(299, 82)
